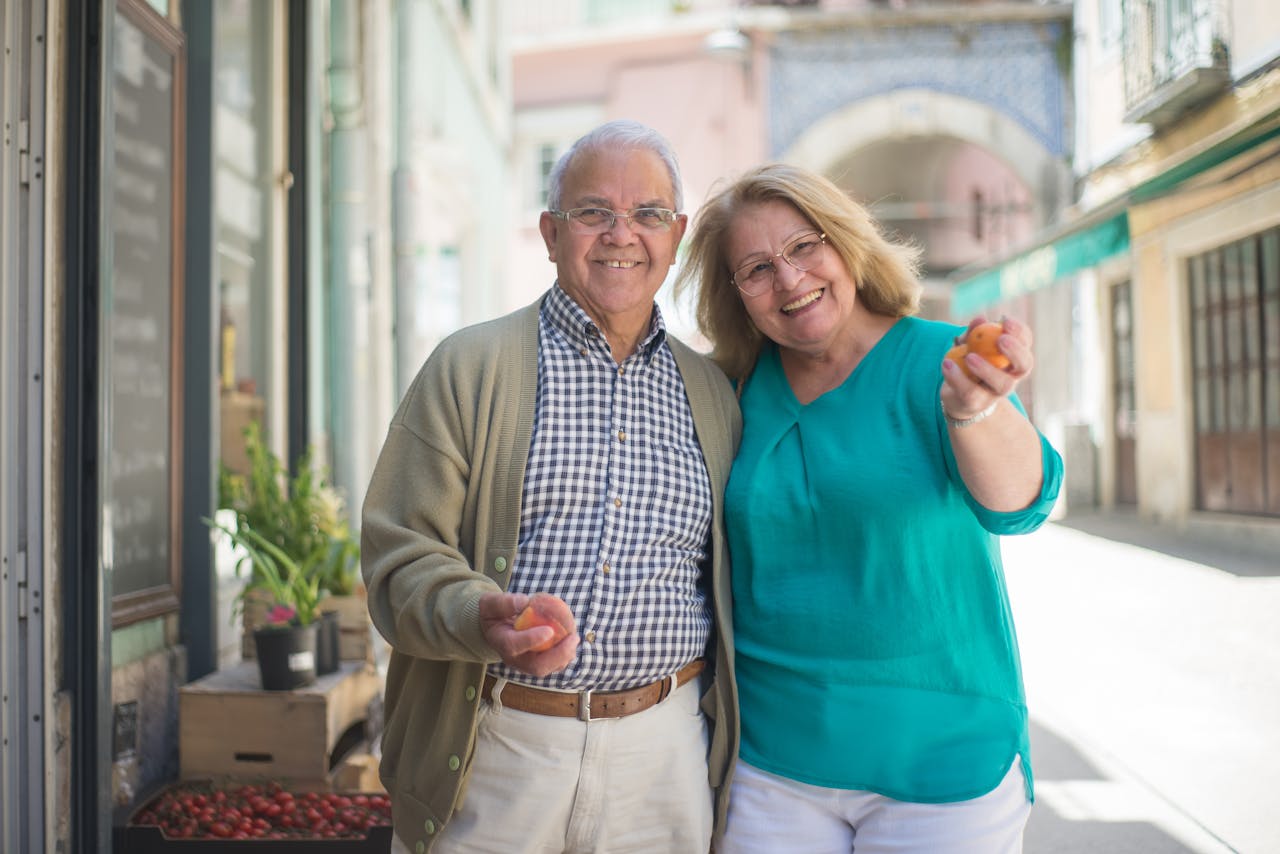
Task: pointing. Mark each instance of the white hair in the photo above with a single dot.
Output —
(621, 133)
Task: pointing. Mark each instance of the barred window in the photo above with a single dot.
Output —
(1235, 350)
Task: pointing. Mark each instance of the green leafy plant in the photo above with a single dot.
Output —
(292, 530)
(291, 585)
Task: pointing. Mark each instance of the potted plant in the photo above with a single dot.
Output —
(296, 540)
(286, 641)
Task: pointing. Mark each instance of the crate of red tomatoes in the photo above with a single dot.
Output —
(196, 817)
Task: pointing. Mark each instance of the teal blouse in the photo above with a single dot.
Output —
(875, 646)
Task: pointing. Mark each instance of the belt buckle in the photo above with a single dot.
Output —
(584, 706)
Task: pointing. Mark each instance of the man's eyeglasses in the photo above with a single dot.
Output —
(600, 220)
(756, 276)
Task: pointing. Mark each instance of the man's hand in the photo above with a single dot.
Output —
(498, 612)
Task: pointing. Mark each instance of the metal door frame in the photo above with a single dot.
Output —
(25, 704)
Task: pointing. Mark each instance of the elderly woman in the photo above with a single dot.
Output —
(880, 689)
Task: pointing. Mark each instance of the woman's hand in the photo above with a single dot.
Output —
(996, 448)
(964, 397)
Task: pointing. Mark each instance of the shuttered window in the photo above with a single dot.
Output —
(1235, 347)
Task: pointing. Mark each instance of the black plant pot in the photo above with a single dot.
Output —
(286, 656)
(327, 635)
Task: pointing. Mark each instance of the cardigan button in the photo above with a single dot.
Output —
(500, 564)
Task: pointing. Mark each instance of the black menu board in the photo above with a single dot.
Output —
(142, 306)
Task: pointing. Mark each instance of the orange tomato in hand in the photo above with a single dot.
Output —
(981, 340)
(541, 611)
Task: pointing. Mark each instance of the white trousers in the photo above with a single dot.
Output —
(549, 785)
(769, 814)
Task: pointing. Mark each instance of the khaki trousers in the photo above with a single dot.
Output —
(550, 785)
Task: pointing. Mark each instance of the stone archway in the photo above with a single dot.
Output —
(920, 113)
(955, 176)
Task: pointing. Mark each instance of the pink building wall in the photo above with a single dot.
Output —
(710, 108)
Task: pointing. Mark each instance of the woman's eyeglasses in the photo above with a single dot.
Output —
(756, 276)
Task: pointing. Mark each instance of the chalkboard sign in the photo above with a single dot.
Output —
(142, 308)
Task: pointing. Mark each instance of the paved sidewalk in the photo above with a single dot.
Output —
(1154, 688)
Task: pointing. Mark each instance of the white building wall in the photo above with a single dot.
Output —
(1254, 26)
(1102, 135)
(450, 186)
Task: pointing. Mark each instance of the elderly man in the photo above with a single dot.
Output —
(572, 448)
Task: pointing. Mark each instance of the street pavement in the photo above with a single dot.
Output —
(1152, 666)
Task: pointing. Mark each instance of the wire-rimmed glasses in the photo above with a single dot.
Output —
(600, 220)
(803, 252)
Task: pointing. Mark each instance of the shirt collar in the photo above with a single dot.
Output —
(568, 318)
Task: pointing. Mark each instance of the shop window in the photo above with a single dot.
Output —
(250, 286)
(1235, 346)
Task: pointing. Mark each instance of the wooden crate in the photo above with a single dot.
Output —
(229, 727)
(354, 641)
(358, 773)
(237, 411)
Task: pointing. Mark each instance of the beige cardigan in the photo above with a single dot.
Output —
(440, 525)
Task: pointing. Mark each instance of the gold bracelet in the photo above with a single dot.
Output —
(960, 423)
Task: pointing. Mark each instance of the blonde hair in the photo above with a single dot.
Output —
(884, 271)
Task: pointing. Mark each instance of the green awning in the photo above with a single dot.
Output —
(1101, 234)
(1042, 266)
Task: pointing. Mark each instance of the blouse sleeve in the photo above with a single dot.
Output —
(1029, 518)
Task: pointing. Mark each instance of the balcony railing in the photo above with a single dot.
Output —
(1175, 57)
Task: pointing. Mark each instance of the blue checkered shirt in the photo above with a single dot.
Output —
(616, 509)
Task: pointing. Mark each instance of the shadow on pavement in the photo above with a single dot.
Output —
(1049, 832)
(1125, 526)
(1053, 757)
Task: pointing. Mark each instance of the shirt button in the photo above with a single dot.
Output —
(606, 569)
(617, 502)
(622, 435)
(500, 564)
(471, 693)
(582, 352)
(621, 371)
(591, 637)
(454, 763)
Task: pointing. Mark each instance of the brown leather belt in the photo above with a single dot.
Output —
(591, 705)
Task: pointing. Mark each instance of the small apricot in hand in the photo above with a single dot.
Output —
(541, 611)
(981, 340)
